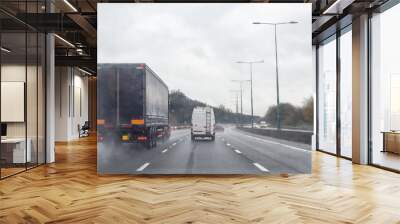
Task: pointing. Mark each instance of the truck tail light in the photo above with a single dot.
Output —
(137, 121)
(142, 138)
(125, 137)
(141, 66)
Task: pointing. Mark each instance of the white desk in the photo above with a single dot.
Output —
(19, 155)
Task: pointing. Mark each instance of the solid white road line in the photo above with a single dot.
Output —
(164, 151)
(261, 167)
(143, 167)
(238, 152)
(276, 143)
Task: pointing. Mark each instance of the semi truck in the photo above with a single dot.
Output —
(203, 123)
(132, 104)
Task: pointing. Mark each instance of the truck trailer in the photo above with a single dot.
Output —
(132, 104)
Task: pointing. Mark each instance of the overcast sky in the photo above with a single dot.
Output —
(194, 47)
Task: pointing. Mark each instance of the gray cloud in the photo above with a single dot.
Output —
(193, 47)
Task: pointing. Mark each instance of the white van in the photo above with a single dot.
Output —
(203, 123)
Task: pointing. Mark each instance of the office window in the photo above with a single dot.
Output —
(385, 89)
(14, 152)
(327, 96)
(22, 94)
(346, 93)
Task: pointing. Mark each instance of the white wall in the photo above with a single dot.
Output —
(71, 94)
(33, 126)
(62, 82)
(12, 73)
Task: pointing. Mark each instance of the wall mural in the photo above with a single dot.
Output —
(204, 88)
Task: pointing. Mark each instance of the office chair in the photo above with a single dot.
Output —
(84, 130)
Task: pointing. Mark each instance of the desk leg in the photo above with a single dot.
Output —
(384, 142)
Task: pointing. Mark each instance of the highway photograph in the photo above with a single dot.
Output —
(207, 100)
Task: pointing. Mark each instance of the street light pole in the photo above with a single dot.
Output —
(241, 95)
(237, 103)
(251, 86)
(278, 114)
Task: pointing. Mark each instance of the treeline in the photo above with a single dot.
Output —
(181, 107)
(293, 116)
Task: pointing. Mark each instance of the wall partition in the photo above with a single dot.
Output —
(22, 88)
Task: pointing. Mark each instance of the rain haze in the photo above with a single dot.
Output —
(195, 47)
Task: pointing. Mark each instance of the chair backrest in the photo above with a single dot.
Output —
(86, 125)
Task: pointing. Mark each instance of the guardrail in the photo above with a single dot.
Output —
(301, 136)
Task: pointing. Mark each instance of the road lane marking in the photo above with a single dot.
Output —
(261, 167)
(228, 144)
(174, 143)
(143, 167)
(276, 143)
(238, 152)
(164, 151)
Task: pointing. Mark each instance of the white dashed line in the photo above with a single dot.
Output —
(238, 152)
(228, 144)
(261, 167)
(143, 167)
(174, 143)
(164, 151)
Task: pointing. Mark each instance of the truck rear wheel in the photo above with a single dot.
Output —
(154, 141)
(148, 143)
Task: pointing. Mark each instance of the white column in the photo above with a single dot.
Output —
(360, 90)
(50, 99)
(50, 92)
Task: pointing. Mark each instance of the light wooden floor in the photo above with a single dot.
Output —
(70, 191)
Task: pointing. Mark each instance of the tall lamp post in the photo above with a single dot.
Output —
(237, 92)
(278, 115)
(241, 95)
(251, 85)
